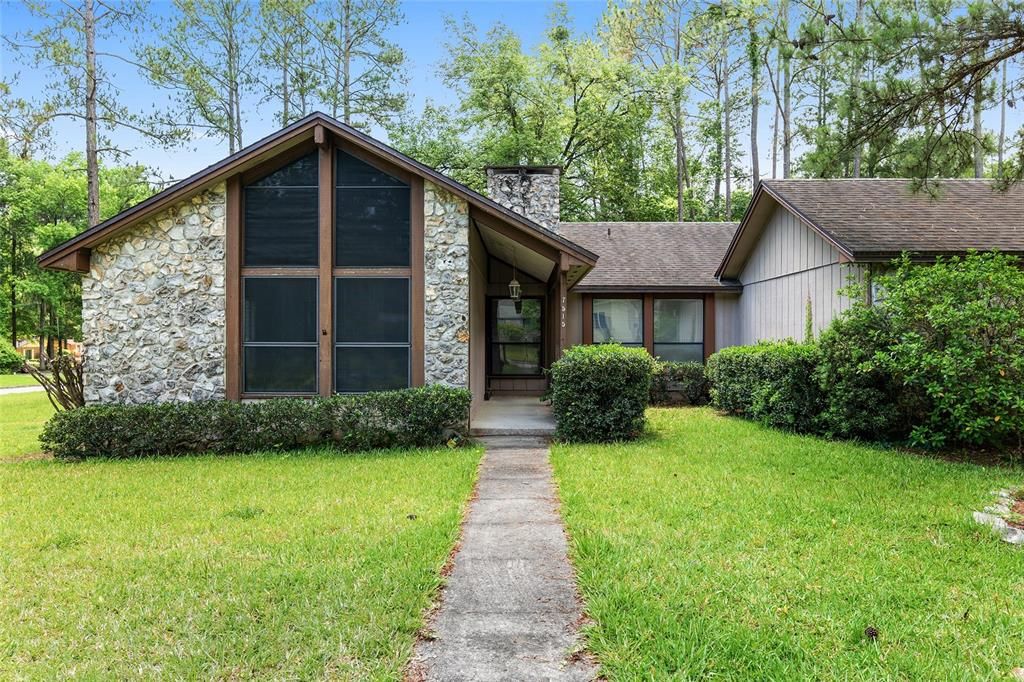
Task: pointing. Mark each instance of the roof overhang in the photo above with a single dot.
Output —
(726, 288)
(74, 255)
(762, 205)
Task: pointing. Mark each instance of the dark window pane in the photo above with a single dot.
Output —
(287, 369)
(372, 227)
(515, 358)
(301, 173)
(679, 320)
(679, 352)
(619, 320)
(281, 226)
(371, 310)
(521, 326)
(352, 172)
(280, 309)
(358, 369)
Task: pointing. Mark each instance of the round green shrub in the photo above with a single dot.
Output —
(958, 340)
(599, 393)
(862, 398)
(10, 360)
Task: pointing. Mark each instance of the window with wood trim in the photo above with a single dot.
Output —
(326, 284)
(618, 320)
(679, 329)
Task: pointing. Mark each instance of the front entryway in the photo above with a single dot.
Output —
(515, 346)
(513, 416)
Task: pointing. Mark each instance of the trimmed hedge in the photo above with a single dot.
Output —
(680, 383)
(599, 393)
(773, 383)
(415, 417)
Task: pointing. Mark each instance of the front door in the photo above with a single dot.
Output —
(515, 339)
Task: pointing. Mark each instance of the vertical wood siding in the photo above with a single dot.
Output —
(727, 321)
(790, 264)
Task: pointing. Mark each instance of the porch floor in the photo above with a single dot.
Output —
(513, 416)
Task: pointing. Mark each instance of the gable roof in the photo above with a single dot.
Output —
(653, 256)
(878, 219)
(301, 131)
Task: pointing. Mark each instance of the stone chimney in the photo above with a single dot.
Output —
(530, 191)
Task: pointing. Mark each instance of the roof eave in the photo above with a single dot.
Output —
(763, 188)
(297, 132)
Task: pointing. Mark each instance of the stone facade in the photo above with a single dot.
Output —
(153, 307)
(530, 192)
(446, 287)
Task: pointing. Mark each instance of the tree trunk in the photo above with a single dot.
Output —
(775, 118)
(979, 157)
(42, 340)
(1002, 125)
(755, 102)
(858, 149)
(92, 164)
(285, 95)
(727, 130)
(346, 91)
(787, 97)
(14, 289)
(682, 173)
(718, 148)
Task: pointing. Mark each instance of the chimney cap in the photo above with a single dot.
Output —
(524, 169)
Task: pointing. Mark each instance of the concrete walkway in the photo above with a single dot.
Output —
(20, 389)
(510, 610)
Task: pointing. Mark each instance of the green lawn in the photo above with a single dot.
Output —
(717, 548)
(22, 416)
(13, 380)
(308, 566)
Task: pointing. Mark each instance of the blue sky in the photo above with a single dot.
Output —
(422, 36)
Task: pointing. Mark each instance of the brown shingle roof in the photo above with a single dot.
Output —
(883, 217)
(652, 256)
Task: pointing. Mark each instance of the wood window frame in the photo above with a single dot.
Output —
(326, 146)
(648, 315)
(588, 311)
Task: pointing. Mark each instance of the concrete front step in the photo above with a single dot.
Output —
(512, 432)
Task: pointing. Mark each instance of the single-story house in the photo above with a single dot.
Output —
(320, 260)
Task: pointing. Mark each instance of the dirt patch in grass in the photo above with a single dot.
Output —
(1017, 511)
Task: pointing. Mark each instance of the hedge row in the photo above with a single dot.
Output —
(773, 383)
(937, 361)
(679, 383)
(415, 417)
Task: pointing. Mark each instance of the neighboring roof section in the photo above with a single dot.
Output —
(68, 255)
(878, 219)
(653, 256)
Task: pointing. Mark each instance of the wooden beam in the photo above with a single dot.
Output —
(326, 222)
(319, 136)
(588, 319)
(232, 290)
(563, 304)
(709, 325)
(417, 284)
(649, 323)
(76, 261)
